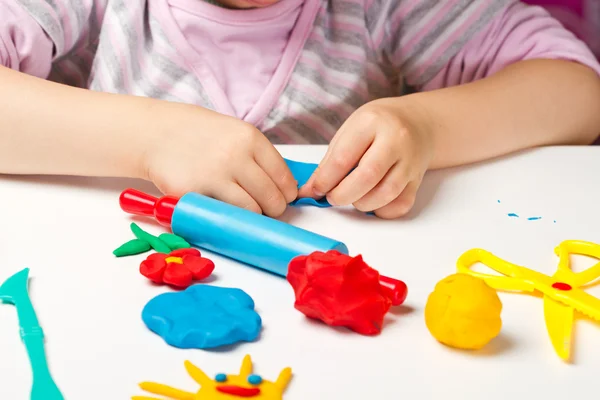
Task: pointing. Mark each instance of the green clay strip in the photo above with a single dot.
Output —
(135, 246)
(173, 241)
(155, 242)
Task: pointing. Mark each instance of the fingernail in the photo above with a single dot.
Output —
(317, 193)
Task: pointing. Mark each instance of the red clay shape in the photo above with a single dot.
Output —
(340, 290)
(238, 390)
(179, 268)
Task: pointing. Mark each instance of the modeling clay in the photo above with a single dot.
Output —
(202, 317)
(302, 172)
(14, 291)
(563, 292)
(463, 312)
(246, 236)
(173, 241)
(156, 243)
(224, 387)
(133, 247)
(178, 268)
(234, 232)
(144, 241)
(342, 291)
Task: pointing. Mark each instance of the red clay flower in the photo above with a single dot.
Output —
(178, 268)
(339, 290)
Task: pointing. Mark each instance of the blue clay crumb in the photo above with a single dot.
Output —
(515, 215)
(203, 316)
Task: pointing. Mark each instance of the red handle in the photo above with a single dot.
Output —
(396, 289)
(139, 203)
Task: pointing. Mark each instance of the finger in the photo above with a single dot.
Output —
(351, 144)
(307, 189)
(372, 168)
(386, 191)
(269, 159)
(402, 204)
(254, 180)
(233, 193)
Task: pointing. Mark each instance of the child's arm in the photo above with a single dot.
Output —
(54, 129)
(522, 82)
(48, 128)
(527, 104)
(512, 105)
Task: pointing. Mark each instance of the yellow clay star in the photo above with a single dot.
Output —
(223, 387)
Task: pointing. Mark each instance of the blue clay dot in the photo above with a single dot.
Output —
(221, 378)
(254, 379)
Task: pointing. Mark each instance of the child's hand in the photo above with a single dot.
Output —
(195, 149)
(388, 142)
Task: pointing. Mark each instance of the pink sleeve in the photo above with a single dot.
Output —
(23, 44)
(521, 32)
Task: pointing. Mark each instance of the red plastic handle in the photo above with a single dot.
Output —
(396, 289)
(139, 203)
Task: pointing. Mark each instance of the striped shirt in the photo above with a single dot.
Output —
(338, 55)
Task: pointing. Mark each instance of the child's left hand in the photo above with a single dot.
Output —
(390, 144)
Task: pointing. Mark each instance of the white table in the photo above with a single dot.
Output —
(89, 302)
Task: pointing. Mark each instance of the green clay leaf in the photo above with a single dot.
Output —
(134, 246)
(155, 242)
(173, 241)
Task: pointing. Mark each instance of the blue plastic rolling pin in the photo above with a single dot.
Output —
(231, 231)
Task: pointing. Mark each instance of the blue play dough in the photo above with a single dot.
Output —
(202, 317)
(302, 172)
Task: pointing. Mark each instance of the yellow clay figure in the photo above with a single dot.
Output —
(224, 387)
(463, 312)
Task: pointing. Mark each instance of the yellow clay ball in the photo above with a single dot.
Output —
(463, 312)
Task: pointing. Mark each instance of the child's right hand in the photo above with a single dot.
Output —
(195, 149)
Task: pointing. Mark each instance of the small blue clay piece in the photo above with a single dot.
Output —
(302, 173)
(254, 379)
(221, 378)
(203, 317)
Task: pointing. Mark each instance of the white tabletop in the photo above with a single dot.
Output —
(89, 302)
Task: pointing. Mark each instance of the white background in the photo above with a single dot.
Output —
(89, 303)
